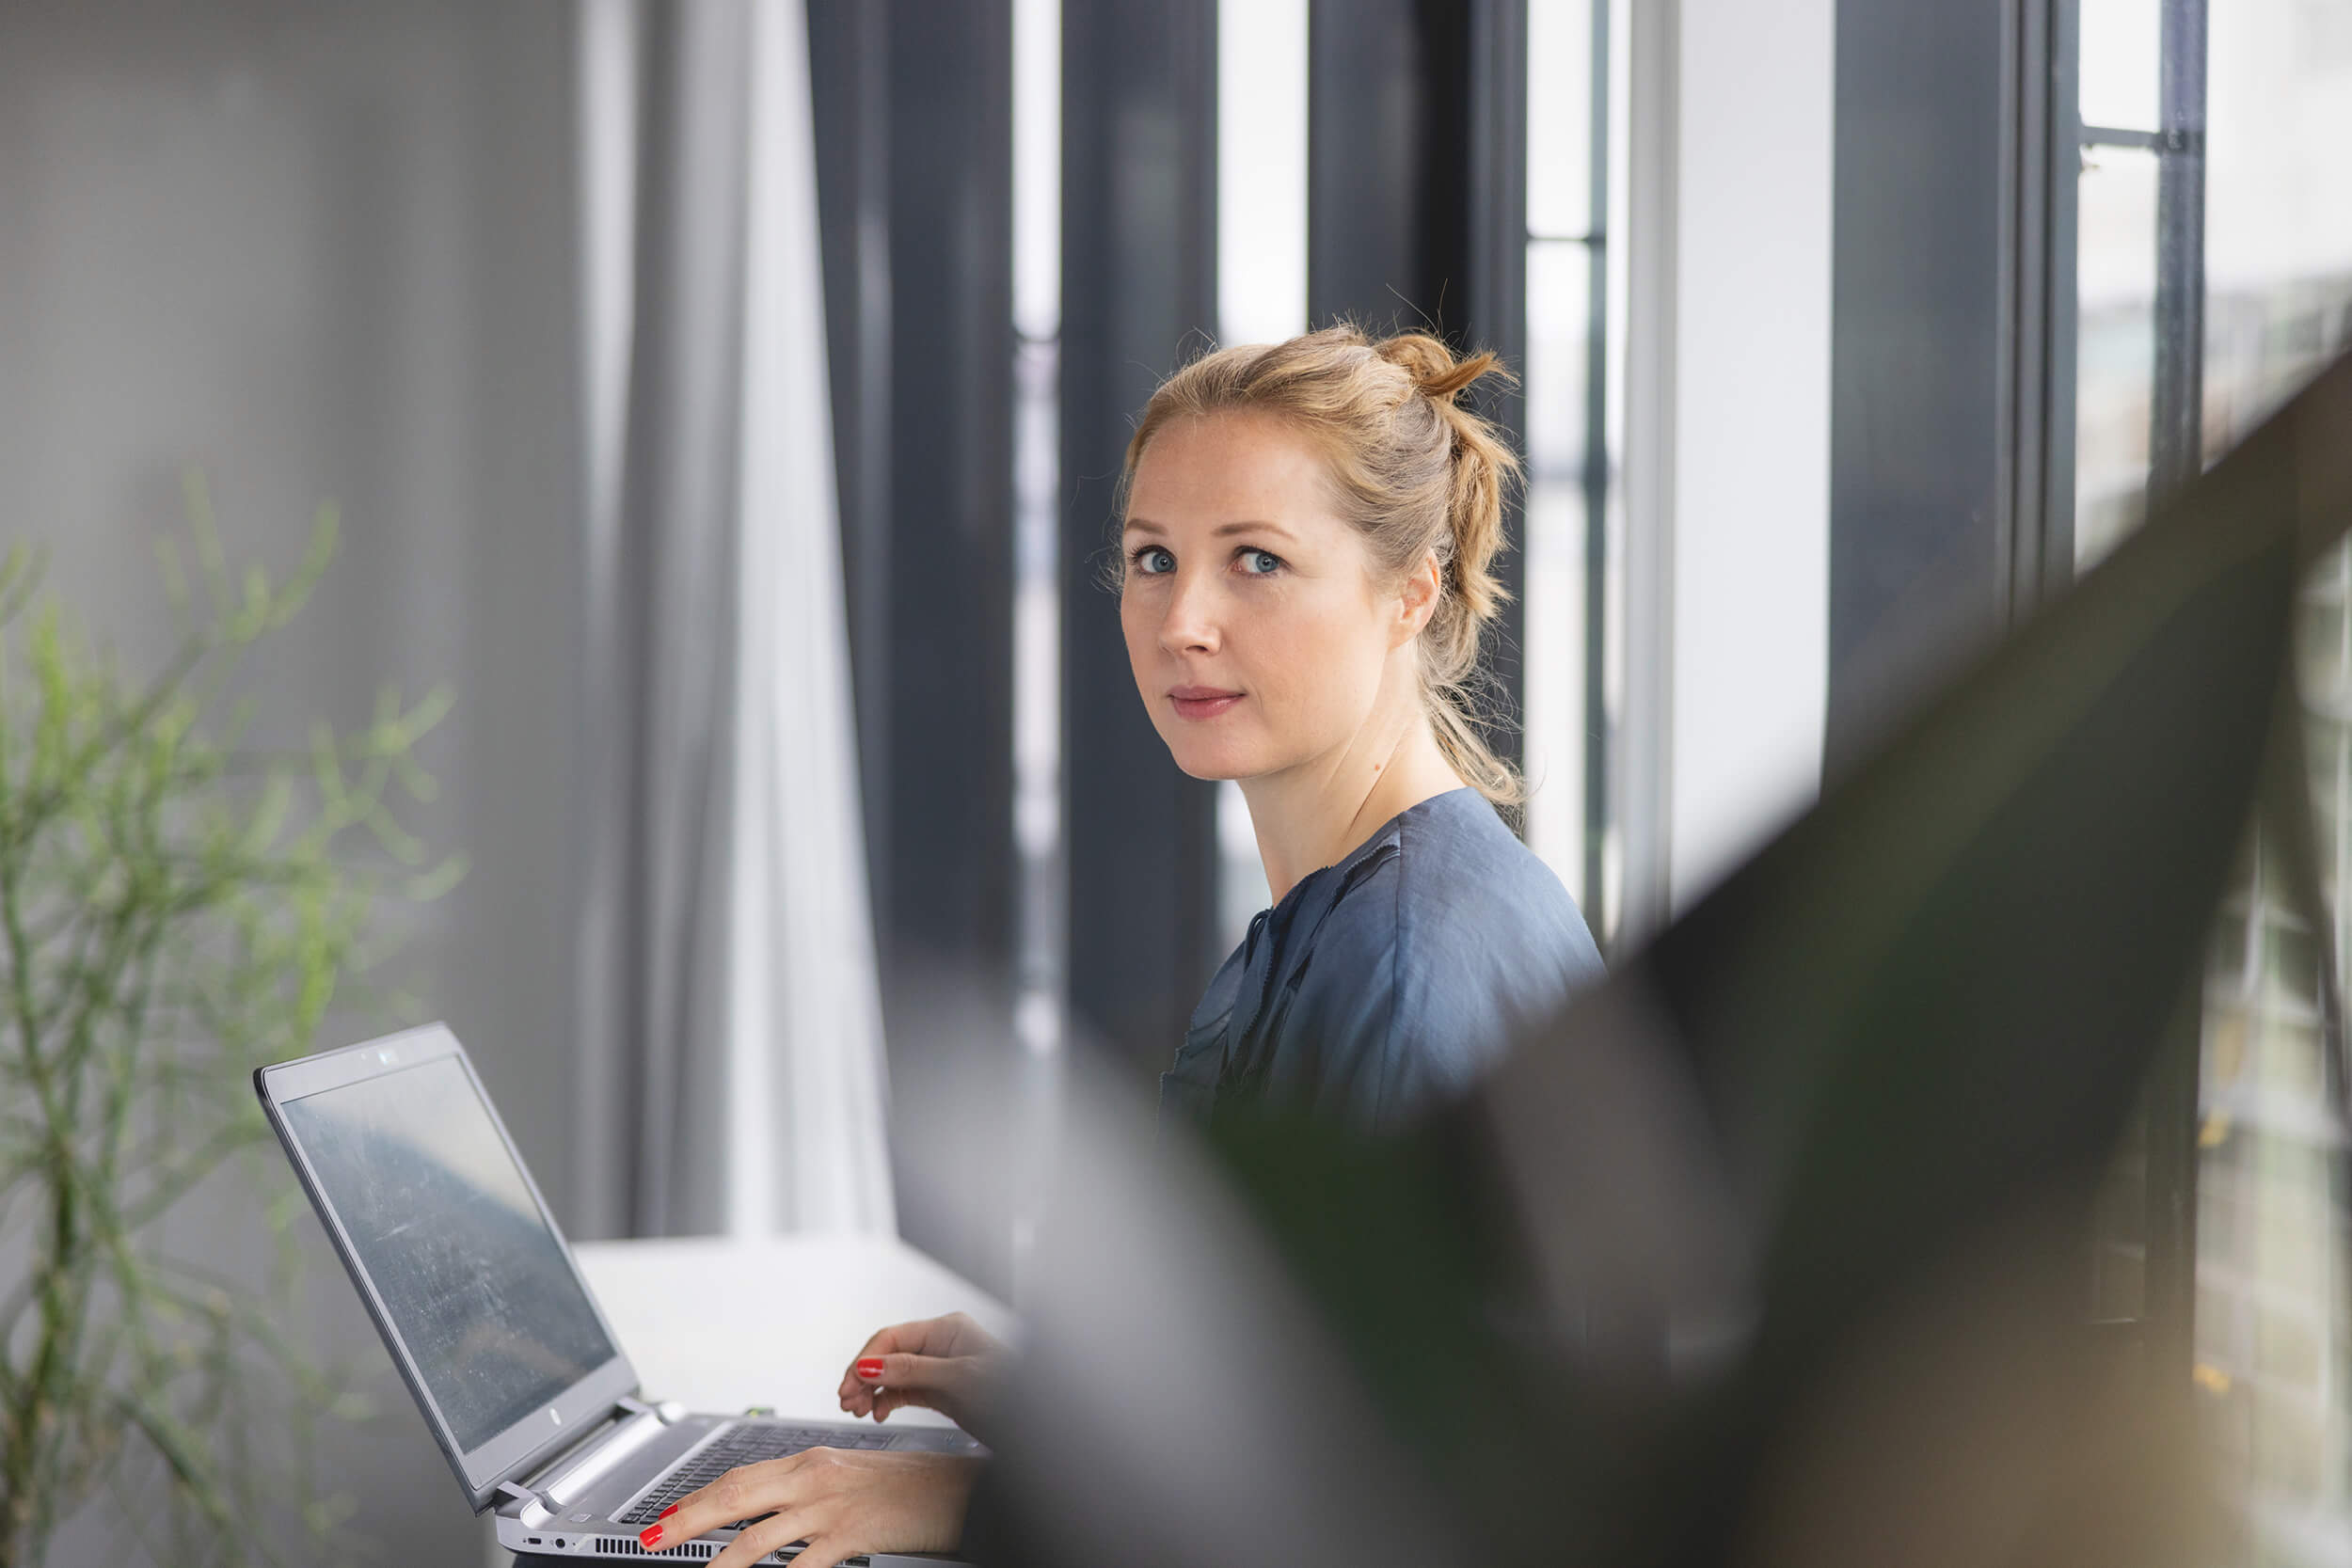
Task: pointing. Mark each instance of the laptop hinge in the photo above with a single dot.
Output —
(634, 1424)
(606, 1428)
(536, 1511)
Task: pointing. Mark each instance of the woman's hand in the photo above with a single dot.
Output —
(840, 1503)
(949, 1363)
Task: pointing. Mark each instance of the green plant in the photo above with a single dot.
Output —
(178, 905)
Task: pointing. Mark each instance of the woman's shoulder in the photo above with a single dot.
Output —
(1446, 936)
(1448, 890)
(1457, 864)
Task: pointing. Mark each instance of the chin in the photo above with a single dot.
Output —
(1210, 770)
(1213, 762)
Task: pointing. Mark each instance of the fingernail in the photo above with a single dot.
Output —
(667, 1511)
(649, 1535)
(870, 1369)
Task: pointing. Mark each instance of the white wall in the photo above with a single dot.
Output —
(1751, 560)
(1730, 369)
(322, 252)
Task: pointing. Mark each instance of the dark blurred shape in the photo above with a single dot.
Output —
(1769, 1249)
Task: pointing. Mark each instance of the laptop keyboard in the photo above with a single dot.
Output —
(747, 1444)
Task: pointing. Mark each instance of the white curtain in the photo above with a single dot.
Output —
(733, 1074)
(806, 1014)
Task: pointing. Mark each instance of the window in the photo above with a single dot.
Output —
(1261, 293)
(2215, 276)
(1038, 1010)
(1572, 526)
(1573, 683)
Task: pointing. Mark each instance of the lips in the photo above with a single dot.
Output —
(1201, 702)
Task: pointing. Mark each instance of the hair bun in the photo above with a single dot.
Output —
(1435, 372)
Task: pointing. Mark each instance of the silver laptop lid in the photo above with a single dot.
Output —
(469, 1280)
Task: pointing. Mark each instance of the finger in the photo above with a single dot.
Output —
(825, 1551)
(968, 1338)
(742, 1493)
(898, 1336)
(881, 1342)
(906, 1400)
(923, 1337)
(902, 1371)
(965, 1335)
(765, 1536)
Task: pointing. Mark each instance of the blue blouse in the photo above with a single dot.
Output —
(1386, 982)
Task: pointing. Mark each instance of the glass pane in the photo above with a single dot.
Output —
(2120, 42)
(2114, 344)
(1037, 168)
(1261, 295)
(1261, 169)
(2278, 204)
(1559, 302)
(2273, 1289)
(1559, 116)
(1558, 317)
(2274, 1348)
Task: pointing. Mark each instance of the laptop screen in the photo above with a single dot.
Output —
(471, 1276)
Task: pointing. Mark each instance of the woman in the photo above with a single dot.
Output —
(1303, 576)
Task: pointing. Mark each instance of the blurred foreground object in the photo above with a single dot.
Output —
(1770, 1249)
(178, 908)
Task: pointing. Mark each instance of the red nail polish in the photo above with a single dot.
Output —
(870, 1368)
(649, 1535)
(667, 1511)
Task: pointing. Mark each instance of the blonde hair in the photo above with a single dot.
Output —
(1415, 473)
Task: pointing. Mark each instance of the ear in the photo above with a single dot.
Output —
(1417, 601)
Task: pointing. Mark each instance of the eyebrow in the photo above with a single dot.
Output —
(1145, 525)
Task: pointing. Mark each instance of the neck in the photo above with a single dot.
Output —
(1309, 816)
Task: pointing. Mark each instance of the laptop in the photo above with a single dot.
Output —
(486, 1315)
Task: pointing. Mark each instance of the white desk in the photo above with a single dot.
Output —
(719, 1324)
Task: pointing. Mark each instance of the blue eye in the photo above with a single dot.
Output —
(1260, 563)
(1152, 560)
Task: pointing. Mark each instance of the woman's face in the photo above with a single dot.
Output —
(1259, 634)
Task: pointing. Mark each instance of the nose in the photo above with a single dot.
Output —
(1190, 625)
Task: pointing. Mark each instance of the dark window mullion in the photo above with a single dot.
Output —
(1416, 210)
(2175, 446)
(1138, 291)
(1596, 478)
(2175, 453)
